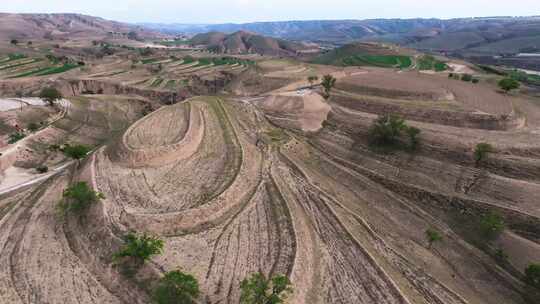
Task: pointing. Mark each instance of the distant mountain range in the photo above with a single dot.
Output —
(242, 42)
(480, 36)
(68, 26)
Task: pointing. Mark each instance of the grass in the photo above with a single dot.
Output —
(48, 71)
(387, 61)
(176, 42)
(170, 84)
(19, 64)
(156, 82)
(150, 60)
(524, 77)
(12, 57)
(428, 62)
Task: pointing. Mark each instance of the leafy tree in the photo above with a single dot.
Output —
(433, 236)
(140, 248)
(14, 41)
(508, 84)
(312, 79)
(77, 151)
(261, 290)
(532, 275)
(481, 152)
(15, 137)
(78, 197)
(50, 95)
(133, 35)
(386, 130)
(42, 169)
(413, 133)
(33, 127)
(491, 225)
(328, 82)
(466, 77)
(176, 287)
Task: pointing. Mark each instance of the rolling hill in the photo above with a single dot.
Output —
(243, 42)
(479, 34)
(59, 26)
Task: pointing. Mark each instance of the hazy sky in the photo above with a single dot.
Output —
(214, 11)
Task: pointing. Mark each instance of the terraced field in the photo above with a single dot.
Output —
(282, 182)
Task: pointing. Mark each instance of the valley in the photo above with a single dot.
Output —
(372, 173)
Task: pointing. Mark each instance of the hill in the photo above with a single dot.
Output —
(243, 42)
(65, 26)
(369, 54)
(464, 37)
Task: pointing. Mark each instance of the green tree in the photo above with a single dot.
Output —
(491, 225)
(466, 77)
(261, 290)
(386, 130)
(509, 84)
(140, 248)
(312, 79)
(77, 151)
(77, 198)
(176, 287)
(50, 95)
(433, 236)
(328, 83)
(532, 275)
(413, 133)
(481, 152)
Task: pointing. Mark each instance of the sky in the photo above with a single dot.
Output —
(239, 11)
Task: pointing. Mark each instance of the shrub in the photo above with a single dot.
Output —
(413, 133)
(481, 152)
(386, 130)
(15, 137)
(433, 236)
(466, 77)
(501, 257)
(77, 198)
(50, 95)
(33, 127)
(491, 226)
(328, 82)
(508, 84)
(76, 152)
(312, 79)
(140, 248)
(14, 41)
(42, 169)
(261, 290)
(532, 275)
(176, 287)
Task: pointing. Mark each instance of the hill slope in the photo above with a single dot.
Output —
(436, 34)
(72, 26)
(242, 42)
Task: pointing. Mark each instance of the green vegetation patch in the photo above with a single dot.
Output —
(12, 57)
(524, 77)
(150, 60)
(158, 81)
(48, 71)
(386, 61)
(10, 66)
(176, 42)
(428, 62)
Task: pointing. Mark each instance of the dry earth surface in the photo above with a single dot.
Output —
(243, 167)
